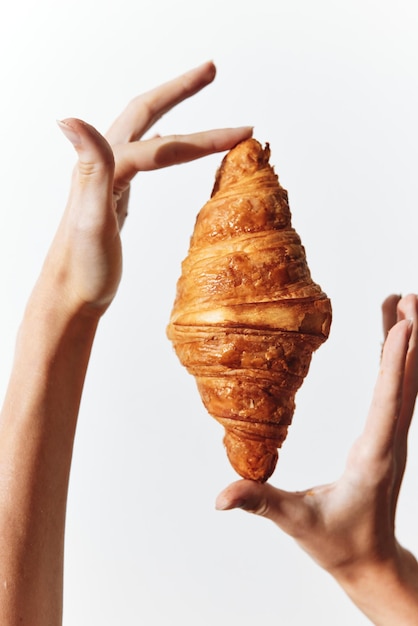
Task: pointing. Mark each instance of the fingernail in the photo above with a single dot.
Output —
(247, 130)
(223, 504)
(211, 67)
(70, 133)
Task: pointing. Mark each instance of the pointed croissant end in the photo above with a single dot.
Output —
(246, 159)
(252, 459)
(247, 315)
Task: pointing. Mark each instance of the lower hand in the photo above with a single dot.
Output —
(348, 527)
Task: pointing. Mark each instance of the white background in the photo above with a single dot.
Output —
(333, 87)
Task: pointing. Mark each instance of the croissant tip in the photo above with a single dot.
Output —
(252, 148)
(246, 158)
(251, 459)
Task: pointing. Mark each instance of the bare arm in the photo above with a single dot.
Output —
(37, 429)
(348, 527)
(78, 281)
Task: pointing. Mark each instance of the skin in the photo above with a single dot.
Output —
(348, 527)
(78, 281)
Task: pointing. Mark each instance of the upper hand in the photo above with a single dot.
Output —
(85, 258)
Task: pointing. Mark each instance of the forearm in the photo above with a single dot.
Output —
(37, 429)
(387, 593)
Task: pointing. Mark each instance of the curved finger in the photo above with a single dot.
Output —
(389, 312)
(383, 418)
(87, 141)
(93, 180)
(162, 152)
(144, 110)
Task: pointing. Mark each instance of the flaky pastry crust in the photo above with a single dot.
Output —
(247, 315)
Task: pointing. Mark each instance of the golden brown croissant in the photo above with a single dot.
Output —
(247, 315)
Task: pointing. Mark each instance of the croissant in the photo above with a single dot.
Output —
(247, 315)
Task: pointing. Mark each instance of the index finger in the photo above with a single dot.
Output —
(144, 110)
(160, 152)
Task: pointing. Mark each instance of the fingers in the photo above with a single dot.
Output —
(389, 312)
(383, 418)
(162, 152)
(142, 112)
(408, 310)
(396, 308)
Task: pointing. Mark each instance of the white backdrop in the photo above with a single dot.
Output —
(333, 87)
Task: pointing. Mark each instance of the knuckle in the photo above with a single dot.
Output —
(260, 507)
(92, 169)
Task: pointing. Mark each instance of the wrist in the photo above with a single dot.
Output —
(55, 299)
(78, 279)
(52, 352)
(385, 590)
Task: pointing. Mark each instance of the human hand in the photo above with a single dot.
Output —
(85, 260)
(348, 527)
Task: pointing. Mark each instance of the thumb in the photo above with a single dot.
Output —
(92, 148)
(94, 172)
(281, 507)
(244, 494)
